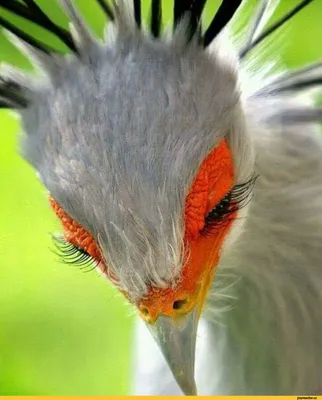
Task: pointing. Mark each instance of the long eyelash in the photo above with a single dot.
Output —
(70, 254)
(241, 193)
(237, 198)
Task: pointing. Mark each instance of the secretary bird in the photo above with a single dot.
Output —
(192, 183)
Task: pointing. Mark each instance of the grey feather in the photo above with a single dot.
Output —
(79, 29)
(301, 79)
(308, 72)
(297, 116)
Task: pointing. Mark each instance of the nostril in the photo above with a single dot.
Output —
(179, 304)
(144, 311)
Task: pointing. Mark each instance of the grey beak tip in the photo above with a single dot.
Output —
(176, 338)
(190, 391)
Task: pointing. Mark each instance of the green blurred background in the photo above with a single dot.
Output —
(64, 332)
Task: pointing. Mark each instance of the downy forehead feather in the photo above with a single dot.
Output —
(118, 137)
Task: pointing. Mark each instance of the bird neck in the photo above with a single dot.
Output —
(267, 340)
(265, 322)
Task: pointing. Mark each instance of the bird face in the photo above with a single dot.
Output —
(172, 313)
(208, 214)
(209, 211)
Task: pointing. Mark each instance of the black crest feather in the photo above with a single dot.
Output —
(33, 13)
(107, 9)
(156, 17)
(25, 37)
(14, 96)
(137, 12)
(194, 8)
(224, 14)
(11, 95)
(179, 9)
(5, 104)
(30, 11)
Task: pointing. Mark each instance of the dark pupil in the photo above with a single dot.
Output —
(220, 210)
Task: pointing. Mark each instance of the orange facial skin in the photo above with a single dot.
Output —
(213, 181)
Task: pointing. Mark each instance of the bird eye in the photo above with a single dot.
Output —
(237, 198)
(69, 253)
(219, 214)
(221, 210)
(78, 246)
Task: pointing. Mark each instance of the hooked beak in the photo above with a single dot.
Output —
(176, 338)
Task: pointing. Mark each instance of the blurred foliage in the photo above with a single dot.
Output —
(63, 332)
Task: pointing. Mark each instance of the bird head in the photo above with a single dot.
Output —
(142, 144)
